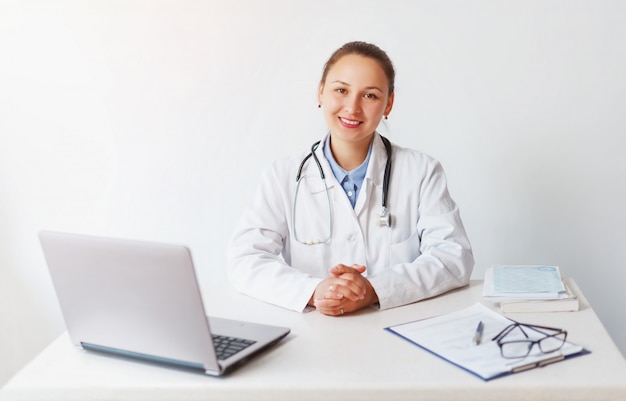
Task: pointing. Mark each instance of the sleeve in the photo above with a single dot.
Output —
(445, 260)
(255, 263)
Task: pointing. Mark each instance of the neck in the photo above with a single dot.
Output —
(350, 155)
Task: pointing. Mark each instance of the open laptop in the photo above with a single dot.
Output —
(142, 300)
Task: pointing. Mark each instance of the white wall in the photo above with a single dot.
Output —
(152, 119)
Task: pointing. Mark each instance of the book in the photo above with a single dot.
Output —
(449, 336)
(568, 303)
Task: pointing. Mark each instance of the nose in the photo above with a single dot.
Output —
(353, 105)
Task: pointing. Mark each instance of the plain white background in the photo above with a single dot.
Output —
(152, 120)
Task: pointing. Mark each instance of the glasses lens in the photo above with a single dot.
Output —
(516, 349)
(552, 343)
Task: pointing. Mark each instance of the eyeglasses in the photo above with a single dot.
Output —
(512, 345)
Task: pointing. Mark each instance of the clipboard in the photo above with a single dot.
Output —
(449, 337)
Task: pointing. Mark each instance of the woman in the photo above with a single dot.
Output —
(327, 240)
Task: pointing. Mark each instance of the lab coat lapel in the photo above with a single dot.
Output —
(373, 182)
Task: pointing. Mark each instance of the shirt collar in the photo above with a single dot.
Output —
(357, 175)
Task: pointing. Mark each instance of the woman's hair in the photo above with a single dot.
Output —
(366, 50)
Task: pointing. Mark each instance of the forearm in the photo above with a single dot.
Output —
(426, 277)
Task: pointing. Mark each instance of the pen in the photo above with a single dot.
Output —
(478, 334)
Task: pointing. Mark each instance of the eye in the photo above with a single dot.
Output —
(371, 96)
(342, 91)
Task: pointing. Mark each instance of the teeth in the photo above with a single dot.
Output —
(349, 121)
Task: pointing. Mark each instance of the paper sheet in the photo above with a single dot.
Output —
(450, 336)
(527, 279)
(523, 282)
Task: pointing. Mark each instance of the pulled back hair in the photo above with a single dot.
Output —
(363, 49)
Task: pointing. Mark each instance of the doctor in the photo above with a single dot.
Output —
(341, 237)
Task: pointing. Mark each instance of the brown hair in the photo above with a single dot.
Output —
(366, 50)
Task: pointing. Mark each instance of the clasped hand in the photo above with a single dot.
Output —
(345, 290)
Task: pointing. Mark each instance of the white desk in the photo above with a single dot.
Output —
(326, 358)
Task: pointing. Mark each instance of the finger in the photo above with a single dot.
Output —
(359, 268)
(352, 292)
(328, 304)
(337, 311)
(327, 289)
(334, 291)
(343, 269)
(338, 288)
(350, 274)
(333, 308)
(333, 312)
(350, 286)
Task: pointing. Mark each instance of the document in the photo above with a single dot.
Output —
(450, 337)
(523, 282)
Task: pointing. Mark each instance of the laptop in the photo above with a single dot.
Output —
(142, 300)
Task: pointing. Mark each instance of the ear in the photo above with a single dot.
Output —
(389, 104)
(320, 91)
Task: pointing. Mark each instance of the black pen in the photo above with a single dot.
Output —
(478, 334)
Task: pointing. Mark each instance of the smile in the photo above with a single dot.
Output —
(349, 123)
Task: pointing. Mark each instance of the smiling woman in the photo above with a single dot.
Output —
(354, 96)
(363, 258)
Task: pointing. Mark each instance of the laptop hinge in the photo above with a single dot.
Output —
(138, 355)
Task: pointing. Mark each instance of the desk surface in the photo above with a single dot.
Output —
(326, 358)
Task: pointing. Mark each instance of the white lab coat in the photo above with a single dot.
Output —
(424, 253)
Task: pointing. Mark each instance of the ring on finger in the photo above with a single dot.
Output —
(341, 311)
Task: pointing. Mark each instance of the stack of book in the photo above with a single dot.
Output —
(528, 288)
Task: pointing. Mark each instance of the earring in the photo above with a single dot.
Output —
(319, 106)
(386, 118)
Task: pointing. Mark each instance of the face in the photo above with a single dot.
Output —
(354, 97)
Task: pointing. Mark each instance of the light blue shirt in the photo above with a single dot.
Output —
(351, 181)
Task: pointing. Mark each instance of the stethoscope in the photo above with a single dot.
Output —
(384, 218)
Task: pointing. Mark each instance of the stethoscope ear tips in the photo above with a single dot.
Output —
(384, 220)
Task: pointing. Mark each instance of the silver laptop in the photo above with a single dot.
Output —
(141, 300)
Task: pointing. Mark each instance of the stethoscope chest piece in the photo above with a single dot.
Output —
(384, 219)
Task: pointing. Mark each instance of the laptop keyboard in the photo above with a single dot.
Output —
(225, 347)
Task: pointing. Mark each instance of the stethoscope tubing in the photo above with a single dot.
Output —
(385, 217)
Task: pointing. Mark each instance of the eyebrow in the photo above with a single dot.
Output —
(367, 87)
